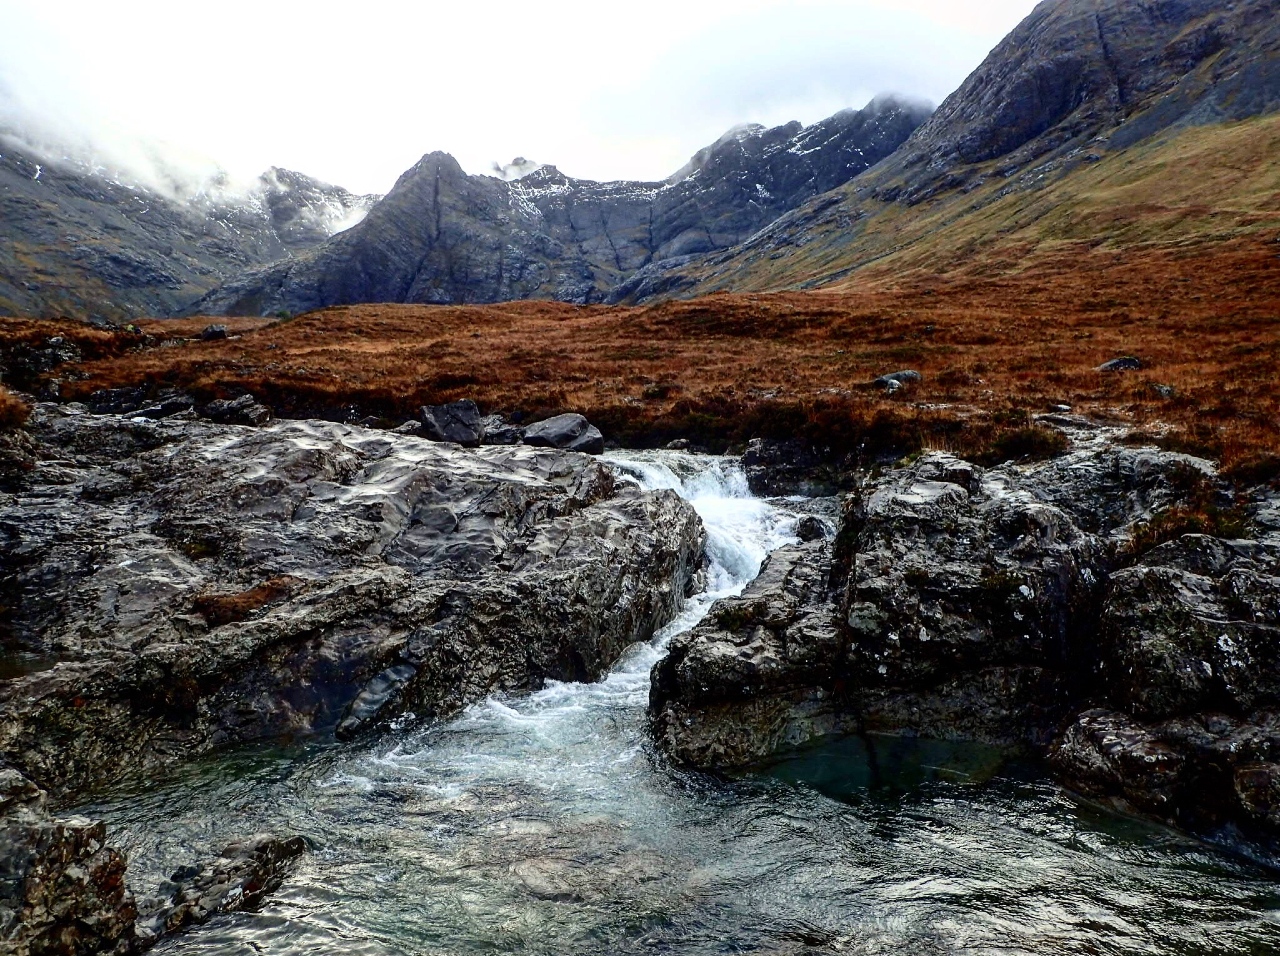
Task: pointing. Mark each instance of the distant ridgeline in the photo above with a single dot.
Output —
(1077, 127)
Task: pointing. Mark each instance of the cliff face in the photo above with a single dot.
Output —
(441, 236)
(1077, 82)
(75, 243)
(1110, 71)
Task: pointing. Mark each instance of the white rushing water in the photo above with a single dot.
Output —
(546, 824)
(589, 737)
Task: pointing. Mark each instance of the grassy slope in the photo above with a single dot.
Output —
(725, 368)
(1205, 184)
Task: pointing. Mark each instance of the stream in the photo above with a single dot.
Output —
(547, 824)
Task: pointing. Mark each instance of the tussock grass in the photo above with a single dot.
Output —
(994, 348)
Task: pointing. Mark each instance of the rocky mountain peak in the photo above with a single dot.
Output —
(1114, 70)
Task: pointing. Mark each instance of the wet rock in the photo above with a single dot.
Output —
(482, 571)
(1109, 756)
(895, 380)
(777, 468)
(967, 604)
(457, 422)
(1194, 626)
(498, 431)
(1127, 363)
(1258, 789)
(811, 528)
(568, 432)
(244, 410)
(758, 673)
(213, 333)
(62, 889)
(240, 879)
(373, 699)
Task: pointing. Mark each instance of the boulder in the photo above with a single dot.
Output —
(167, 406)
(152, 564)
(760, 672)
(213, 333)
(244, 410)
(777, 468)
(498, 431)
(1127, 363)
(62, 888)
(568, 432)
(457, 422)
(967, 602)
(1194, 626)
(896, 380)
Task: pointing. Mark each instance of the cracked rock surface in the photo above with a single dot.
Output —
(1008, 605)
(202, 585)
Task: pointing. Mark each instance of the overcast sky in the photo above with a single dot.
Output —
(356, 92)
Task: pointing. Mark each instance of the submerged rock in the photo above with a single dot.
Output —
(63, 890)
(203, 585)
(240, 879)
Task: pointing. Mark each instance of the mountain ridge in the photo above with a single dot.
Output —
(441, 236)
(78, 243)
(1077, 82)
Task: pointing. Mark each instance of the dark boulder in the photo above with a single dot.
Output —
(457, 422)
(777, 468)
(896, 380)
(245, 410)
(567, 432)
(810, 528)
(62, 888)
(498, 431)
(213, 333)
(1127, 363)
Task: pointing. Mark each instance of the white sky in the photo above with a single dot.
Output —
(356, 92)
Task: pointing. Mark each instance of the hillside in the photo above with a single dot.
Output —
(1107, 121)
(76, 242)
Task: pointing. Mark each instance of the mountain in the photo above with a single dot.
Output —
(1094, 120)
(75, 242)
(442, 236)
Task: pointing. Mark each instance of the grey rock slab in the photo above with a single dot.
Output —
(323, 556)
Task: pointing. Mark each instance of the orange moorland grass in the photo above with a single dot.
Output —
(13, 410)
(997, 341)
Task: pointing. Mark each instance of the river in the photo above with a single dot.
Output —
(546, 824)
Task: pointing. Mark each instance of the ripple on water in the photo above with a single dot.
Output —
(546, 825)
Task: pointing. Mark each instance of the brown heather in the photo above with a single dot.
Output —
(998, 340)
(13, 410)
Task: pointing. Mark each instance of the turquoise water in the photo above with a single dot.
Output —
(546, 824)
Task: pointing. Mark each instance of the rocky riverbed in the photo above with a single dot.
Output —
(1117, 608)
(175, 588)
